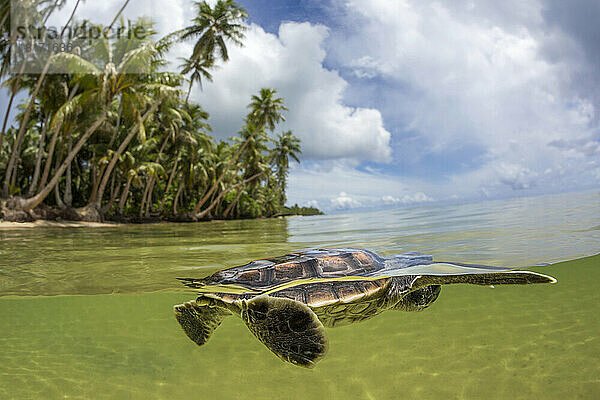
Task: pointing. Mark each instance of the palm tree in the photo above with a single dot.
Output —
(166, 127)
(32, 99)
(137, 91)
(199, 70)
(266, 110)
(152, 170)
(115, 127)
(36, 10)
(6, 41)
(28, 13)
(99, 86)
(212, 28)
(286, 145)
(190, 139)
(253, 155)
(132, 176)
(6, 44)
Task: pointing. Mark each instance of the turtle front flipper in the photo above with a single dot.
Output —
(288, 328)
(488, 279)
(442, 273)
(199, 321)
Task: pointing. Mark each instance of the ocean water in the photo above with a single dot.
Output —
(87, 313)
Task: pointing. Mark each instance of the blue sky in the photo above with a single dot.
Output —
(270, 14)
(505, 112)
(408, 101)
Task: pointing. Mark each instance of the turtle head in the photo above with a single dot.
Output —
(221, 277)
(192, 282)
(419, 299)
(402, 294)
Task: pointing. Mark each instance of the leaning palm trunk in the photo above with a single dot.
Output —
(187, 97)
(68, 189)
(12, 183)
(57, 197)
(22, 129)
(12, 172)
(149, 200)
(220, 196)
(96, 179)
(53, 143)
(233, 203)
(59, 201)
(113, 196)
(117, 16)
(150, 183)
(48, 164)
(117, 125)
(125, 194)
(8, 108)
(38, 86)
(16, 84)
(218, 182)
(38, 159)
(98, 200)
(13, 178)
(144, 195)
(171, 176)
(30, 203)
(179, 189)
(13, 94)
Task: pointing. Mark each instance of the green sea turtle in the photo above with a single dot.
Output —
(286, 301)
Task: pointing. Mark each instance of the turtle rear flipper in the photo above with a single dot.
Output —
(199, 321)
(288, 328)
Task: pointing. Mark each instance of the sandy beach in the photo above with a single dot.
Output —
(7, 225)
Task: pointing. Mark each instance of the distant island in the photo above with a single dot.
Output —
(296, 210)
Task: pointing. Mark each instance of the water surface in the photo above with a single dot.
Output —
(87, 313)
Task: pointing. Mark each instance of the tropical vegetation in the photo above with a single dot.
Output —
(101, 131)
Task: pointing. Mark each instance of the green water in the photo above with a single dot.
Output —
(87, 313)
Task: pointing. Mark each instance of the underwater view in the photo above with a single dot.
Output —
(88, 313)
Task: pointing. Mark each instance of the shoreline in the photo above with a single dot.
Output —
(42, 223)
(52, 217)
(46, 223)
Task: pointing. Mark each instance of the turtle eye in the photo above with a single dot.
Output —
(221, 276)
(259, 312)
(253, 316)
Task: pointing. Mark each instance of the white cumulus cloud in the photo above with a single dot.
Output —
(475, 74)
(344, 202)
(292, 63)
